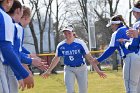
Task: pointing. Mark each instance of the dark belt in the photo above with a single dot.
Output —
(77, 65)
(124, 57)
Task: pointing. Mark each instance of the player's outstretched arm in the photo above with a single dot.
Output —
(94, 63)
(54, 62)
(101, 73)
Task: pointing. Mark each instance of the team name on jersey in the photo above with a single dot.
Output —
(71, 52)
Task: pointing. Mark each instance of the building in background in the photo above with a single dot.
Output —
(28, 39)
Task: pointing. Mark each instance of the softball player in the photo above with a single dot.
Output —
(8, 56)
(130, 69)
(73, 50)
(132, 79)
(26, 57)
(16, 12)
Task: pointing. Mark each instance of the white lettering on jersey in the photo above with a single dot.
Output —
(71, 52)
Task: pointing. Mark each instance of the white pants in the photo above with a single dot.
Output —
(80, 73)
(11, 79)
(3, 81)
(131, 73)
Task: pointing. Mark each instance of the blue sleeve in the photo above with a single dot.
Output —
(18, 77)
(133, 45)
(108, 52)
(12, 59)
(59, 52)
(25, 59)
(24, 50)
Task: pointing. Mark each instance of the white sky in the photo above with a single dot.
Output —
(123, 7)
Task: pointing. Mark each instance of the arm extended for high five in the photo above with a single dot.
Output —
(54, 62)
(94, 63)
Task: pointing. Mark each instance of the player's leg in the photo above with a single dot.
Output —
(138, 88)
(130, 73)
(3, 80)
(69, 79)
(11, 79)
(82, 79)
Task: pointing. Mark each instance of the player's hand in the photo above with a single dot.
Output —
(37, 62)
(46, 74)
(40, 63)
(102, 74)
(29, 82)
(21, 85)
(43, 67)
(33, 55)
(132, 33)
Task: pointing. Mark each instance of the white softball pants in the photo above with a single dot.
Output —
(80, 73)
(131, 73)
(11, 79)
(3, 80)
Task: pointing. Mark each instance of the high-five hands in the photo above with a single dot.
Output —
(101, 73)
(39, 63)
(46, 74)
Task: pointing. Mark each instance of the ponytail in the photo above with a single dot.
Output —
(121, 19)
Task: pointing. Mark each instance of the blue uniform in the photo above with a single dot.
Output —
(132, 77)
(6, 41)
(18, 42)
(74, 53)
(131, 64)
(18, 45)
(7, 52)
(75, 66)
(115, 44)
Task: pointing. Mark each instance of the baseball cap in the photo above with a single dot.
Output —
(68, 28)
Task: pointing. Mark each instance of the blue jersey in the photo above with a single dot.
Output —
(73, 53)
(18, 44)
(115, 44)
(24, 50)
(134, 44)
(6, 41)
(18, 37)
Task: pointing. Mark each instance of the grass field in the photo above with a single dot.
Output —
(54, 84)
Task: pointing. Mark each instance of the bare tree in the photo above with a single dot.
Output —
(59, 20)
(32, 30)
(37, 6)
(83, 5)
(49, 44)
(113, 9)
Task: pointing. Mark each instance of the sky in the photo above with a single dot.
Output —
(123, 7)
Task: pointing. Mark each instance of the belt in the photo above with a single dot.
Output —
(124, 57)
(77, 65)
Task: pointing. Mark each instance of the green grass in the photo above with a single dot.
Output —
(54, 84)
